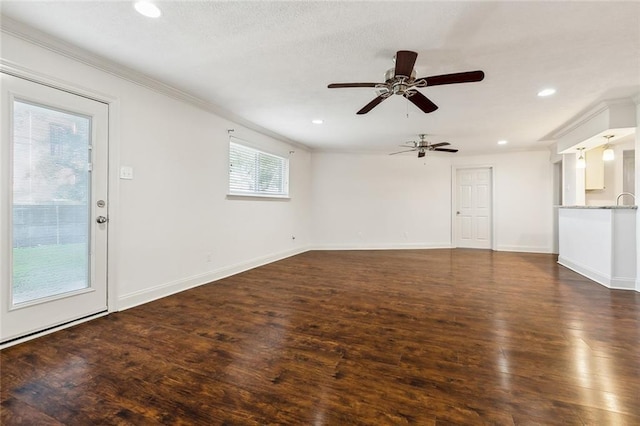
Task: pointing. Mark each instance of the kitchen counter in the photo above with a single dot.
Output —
(599, 242)
(599, 207)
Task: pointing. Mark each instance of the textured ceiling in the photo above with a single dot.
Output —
(270, 62)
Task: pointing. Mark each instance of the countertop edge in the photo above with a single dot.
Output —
(600, 207)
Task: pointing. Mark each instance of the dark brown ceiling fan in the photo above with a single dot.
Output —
(402, 80)
(422, 146)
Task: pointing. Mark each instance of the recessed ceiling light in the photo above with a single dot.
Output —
(147, 9)
(317, 121)
(546, 92)
(502, 142)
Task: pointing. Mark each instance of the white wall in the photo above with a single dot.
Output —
(377, 201)
(573, 181)
(174, 215)
(637, 185)
(380, 201)
(523, 199)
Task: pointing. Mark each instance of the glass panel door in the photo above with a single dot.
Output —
(53, 227)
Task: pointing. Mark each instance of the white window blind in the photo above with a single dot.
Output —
(257, 173)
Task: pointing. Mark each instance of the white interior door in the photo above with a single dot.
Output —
(53, 171)
(473, 208)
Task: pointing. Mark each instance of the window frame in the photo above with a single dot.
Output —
(284, 165)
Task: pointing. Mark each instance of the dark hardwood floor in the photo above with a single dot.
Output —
(426, 337)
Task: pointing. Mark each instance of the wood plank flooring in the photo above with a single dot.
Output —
(426, 337)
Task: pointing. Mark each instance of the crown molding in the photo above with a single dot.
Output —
(39, 38)
(584, 117)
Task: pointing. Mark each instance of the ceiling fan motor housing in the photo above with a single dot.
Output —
(399, 85)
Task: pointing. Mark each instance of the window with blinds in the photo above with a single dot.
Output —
(256, 173)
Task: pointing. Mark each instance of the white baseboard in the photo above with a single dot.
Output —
(157, 292)
(586, 271)
(405, 246)
(618, 283)
(623, 283)
(526, 249)
(419, 246)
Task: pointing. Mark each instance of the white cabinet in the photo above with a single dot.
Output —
(594, 172)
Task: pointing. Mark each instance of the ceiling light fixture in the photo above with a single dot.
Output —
(581, 163)
(607, 154)
(147, 9)
(502, 142)
(546, 92)
(317, 121)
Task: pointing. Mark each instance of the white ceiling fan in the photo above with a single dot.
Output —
(423, 145)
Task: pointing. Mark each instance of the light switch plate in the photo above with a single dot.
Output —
(126, 172)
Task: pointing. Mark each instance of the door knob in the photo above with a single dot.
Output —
(101, 219)
(457, 212)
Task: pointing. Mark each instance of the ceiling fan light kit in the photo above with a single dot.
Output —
(401, 80)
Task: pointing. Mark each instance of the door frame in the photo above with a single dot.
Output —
(454, 200)
(113, 190)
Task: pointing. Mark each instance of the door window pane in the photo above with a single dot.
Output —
(51, 193)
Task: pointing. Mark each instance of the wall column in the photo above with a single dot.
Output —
(637, 188)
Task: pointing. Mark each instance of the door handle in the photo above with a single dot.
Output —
(102, 219)
(457, 212)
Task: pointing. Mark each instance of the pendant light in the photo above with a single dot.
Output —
(581, 163)
(607, 154)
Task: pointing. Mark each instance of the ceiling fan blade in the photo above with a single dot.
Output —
(437, 145)
(445, 149)
(343, 85)
(400, 152)
(459, 77)
(405, 60)
(368, 107)
(421, 101)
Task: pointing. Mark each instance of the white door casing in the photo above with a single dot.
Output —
(23, 317)
(473, 208)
